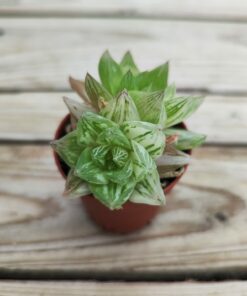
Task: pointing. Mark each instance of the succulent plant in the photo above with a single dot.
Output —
(124, 136)
(116, 162)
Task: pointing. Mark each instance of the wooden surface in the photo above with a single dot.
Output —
(39, 55)
(218, 10)
(202, 229)
(122, 289)
(201, 233)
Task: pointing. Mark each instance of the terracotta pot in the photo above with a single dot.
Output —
(131, 217)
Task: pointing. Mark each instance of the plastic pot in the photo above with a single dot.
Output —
(131, 217)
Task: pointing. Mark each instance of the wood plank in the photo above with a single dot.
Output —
(35, 116)
(187, 9)
(17, 288)
(39, 54)
(201, 231)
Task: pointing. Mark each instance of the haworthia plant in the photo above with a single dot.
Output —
(124, 134)
(112, 160)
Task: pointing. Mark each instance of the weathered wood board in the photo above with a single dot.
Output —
(234, 10)
(39, 55)
(202, 229)
(65, 288)
(35, 116)
(201, 232)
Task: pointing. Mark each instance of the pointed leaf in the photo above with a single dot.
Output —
(79, 87)
(151, 107)
(170, 92)
(149, 135)
(113, 195)
(122, 175)
(68, 148)
(153, 80)
(185, 139)
(97, 93)
(88, 171)
(149, 190)
(75, 108)
(127, 82)
(114, 137)
(180, 108)
(75, 187)
(90, 126)
(121, 109)
(128, 64)
(171, 160)
(110, 73)
(99, 155)
(119, 156)
(142, 161)
(136, 95)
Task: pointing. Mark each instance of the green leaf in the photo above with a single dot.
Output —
(75, 187)
(96, 92)
(149, 190)
(99, 155)
(149, 135)
(186, 139)
(127, 82)
(68, 148)
(136, 95)
(170, 92)
(119, 156)
(128, 64)
(121, 176)
(113, 195)
(114, 137)
(88, 171)
(110, 73)
(121, 109)
(180, 108)
(151, 107)
(75, 108)
(153, 80)
(90, 126)
(142, 161)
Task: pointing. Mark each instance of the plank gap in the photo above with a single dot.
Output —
(58, 275)
(122, 15)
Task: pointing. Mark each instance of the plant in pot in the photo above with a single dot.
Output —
(124, 145)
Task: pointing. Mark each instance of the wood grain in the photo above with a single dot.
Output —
(65, 288)
(35, 116)
(201, 231)
(187, 9)
(39, 54)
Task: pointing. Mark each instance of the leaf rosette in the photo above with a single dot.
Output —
(126, 133)
(116, 162)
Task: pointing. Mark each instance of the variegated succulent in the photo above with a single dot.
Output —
(124, 136)
(116, 162)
